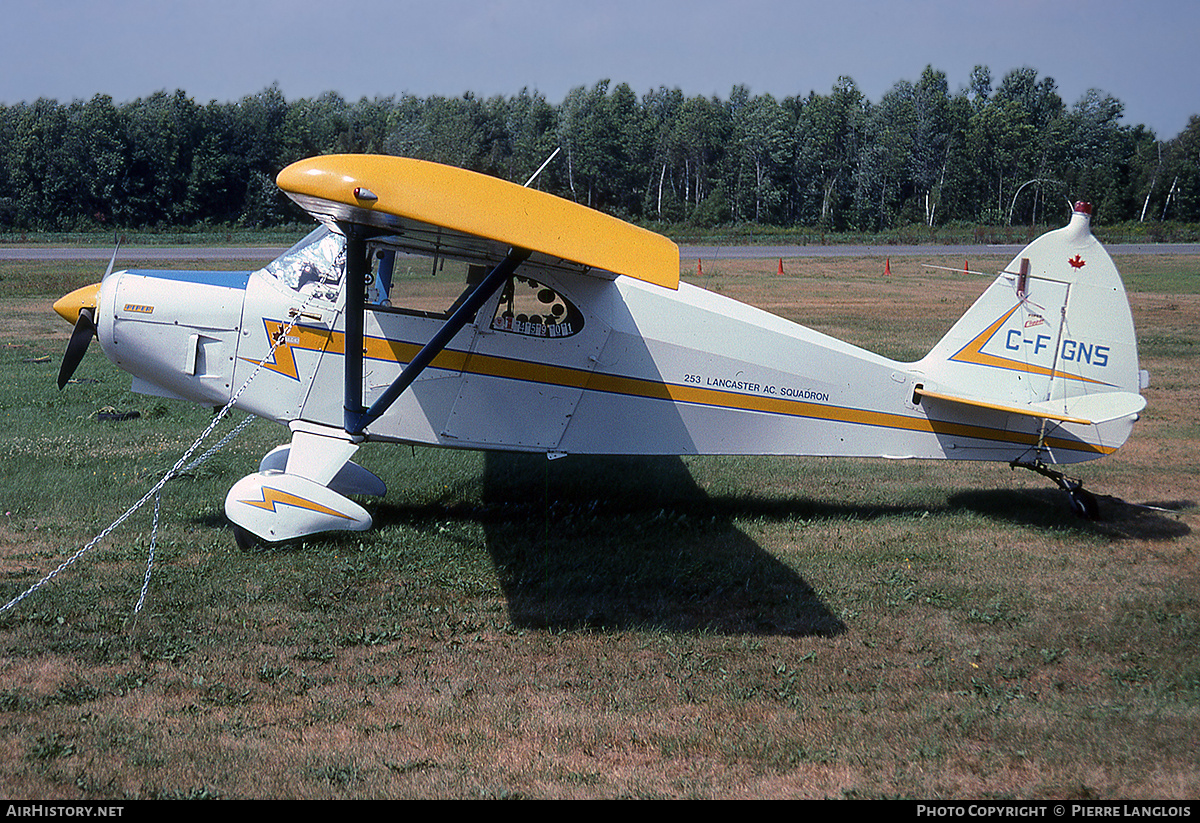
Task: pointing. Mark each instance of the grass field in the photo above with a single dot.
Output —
(608, 628)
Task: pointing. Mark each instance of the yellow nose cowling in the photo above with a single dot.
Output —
(68, 306)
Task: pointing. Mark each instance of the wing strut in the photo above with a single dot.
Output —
(357, 417)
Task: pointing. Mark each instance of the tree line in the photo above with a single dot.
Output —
(1009, 153)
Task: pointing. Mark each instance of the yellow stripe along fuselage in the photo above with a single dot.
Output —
(320, 340)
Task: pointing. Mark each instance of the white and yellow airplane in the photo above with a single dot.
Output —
(572, 334)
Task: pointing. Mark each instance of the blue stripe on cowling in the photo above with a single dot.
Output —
(228, 279)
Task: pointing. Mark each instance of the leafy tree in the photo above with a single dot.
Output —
(160, 136)
(1183, 197)
(96, 129)
(1012, 151)
(320, 126)
(761, 161)
(1095, 167)
(884, 179)
(531, 125)
(218, 178)
(1146, 166)
(934, 133)
(998, 144)
(407, 132)
(662, 109)
(596, 143)
(259, 130)
(458, 131)
(829, 138)
(42, 170)
(1032, 109)
(979, 87)
(702, 133)
(366, 129)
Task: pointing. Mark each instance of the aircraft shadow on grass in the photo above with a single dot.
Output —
(634, 543)
(628, 543)
(601, 542)
(1043, 508)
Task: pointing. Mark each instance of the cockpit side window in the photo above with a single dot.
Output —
(419, 284)
(423, 285)
(533, 309)
(313, 266)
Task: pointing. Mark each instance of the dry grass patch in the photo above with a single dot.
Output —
(709, 627)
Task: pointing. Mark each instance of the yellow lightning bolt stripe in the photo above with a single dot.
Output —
(973, 353)
(304, 338)
(282, 360)
(271, 496)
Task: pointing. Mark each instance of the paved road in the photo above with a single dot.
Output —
(166, 254)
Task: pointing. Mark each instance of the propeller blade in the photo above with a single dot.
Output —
(77, 346)
(80, 306)
(112, 262)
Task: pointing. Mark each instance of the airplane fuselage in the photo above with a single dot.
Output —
(634, 369)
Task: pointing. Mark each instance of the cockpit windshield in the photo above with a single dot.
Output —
(313, 266)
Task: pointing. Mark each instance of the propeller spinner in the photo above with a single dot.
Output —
(79, 308)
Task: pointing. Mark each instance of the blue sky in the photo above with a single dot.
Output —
(1143, 52)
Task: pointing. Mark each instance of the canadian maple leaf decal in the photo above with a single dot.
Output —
(1077, 262)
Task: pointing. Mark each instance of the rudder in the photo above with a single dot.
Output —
(1054, 326)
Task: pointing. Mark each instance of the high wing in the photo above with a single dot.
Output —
(428, 208)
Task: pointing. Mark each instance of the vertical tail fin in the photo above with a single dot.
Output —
(1053, 328)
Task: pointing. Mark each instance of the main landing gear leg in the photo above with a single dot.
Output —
(1083, 502)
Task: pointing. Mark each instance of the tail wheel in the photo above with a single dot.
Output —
(1084, 504)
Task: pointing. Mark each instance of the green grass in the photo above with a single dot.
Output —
(201, 235)
(1160, 274)
(597, 627)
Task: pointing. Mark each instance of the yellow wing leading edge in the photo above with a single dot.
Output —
(442, 206)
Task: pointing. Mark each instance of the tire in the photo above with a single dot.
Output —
(1084, 504)
(246, 541)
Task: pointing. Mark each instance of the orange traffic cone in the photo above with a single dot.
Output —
(781, 266)
(966, 267)
(887, 267)
(699, 269)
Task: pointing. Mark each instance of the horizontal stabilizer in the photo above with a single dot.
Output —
(1083, 409)
(1096, 408)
